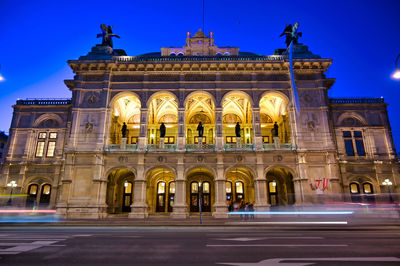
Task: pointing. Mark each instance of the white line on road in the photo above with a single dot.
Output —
(270, 237)
(294, 223)
(281, 245)
(23, 247)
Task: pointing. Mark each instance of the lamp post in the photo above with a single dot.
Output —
(12, 184)
(396, 73)
(200, 200)
(387, 184)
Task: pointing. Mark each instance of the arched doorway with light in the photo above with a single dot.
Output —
(120, 187)
(160, 192)
(200, 190)
(280, 187)
(239, 185)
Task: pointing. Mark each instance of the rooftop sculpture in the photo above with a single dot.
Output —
(107, 35)
(291, 33)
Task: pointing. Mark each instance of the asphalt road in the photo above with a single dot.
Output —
(219, 245)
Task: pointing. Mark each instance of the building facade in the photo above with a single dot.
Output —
(71, 154)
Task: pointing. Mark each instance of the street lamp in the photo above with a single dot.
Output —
(12, 184)
(396, 74)
(387, 184)
(200, 197)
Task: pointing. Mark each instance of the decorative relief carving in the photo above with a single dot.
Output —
(200, 158)
(239, 158)
(278, 158)
(161, 159)
(123, 159)
(89, 127)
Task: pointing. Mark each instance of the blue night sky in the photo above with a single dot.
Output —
(38, 37)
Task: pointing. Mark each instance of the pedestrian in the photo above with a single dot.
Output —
(230, 206)
(246, 209)
(251, 210)
(242, 210)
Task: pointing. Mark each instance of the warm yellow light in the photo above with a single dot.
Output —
(136, 126)
(169, 126)
(230, 125)
(396, 74)
(247, 135)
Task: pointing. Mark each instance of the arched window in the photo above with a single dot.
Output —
(368, 192)
(45, 195)
(32, 194)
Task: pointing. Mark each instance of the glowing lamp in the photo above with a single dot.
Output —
(396, 74)
(126, 184)
(2, 78)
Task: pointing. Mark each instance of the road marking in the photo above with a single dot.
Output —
(281, 245)
(277, 261)
(23, 247)
(332, 222)
(244, 239)
(81, 235)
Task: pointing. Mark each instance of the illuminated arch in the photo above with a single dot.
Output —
(45, 117)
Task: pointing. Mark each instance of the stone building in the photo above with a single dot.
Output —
(70, 154)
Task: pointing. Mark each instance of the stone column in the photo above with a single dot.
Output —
(143, 130)
(139, 206)
(301, 180)
(260, 183)
(180, 209)
(257, 138)
(181, 140)
(220, 205)
(219, 136)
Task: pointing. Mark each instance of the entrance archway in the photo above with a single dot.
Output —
(239, 186)
(200, 190)
(120, 187)
(280, 187)
(161, 190)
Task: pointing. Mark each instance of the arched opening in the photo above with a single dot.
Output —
(237, 108)
(120, 187)
(125, 109)
(274, 108)
(45, 195)
(163, 108)
(200, 190)
(200, 108)
(239, 186)
(161, 190)
(280, 187)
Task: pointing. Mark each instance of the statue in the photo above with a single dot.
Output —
(276, 127)
(107, 35)
(200, 129)
(237, 130)
(291, 33)
(123, 130)
(162, 130)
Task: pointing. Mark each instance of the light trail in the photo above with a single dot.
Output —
(27, 211)
(293, 213)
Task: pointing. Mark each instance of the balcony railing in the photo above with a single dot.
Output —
(117, 147)
(44, 102)
(357, 100)
(282, 146)
(159, 147)
(199, 58)
(241, 147)
(202, 147)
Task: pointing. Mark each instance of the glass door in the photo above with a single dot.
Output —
(273, 193)
(171, 196)
(127, 197)
(160, 197)
(239, 194)
(228, 188)
(194, 197)
(206, 197)
(45, 195)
